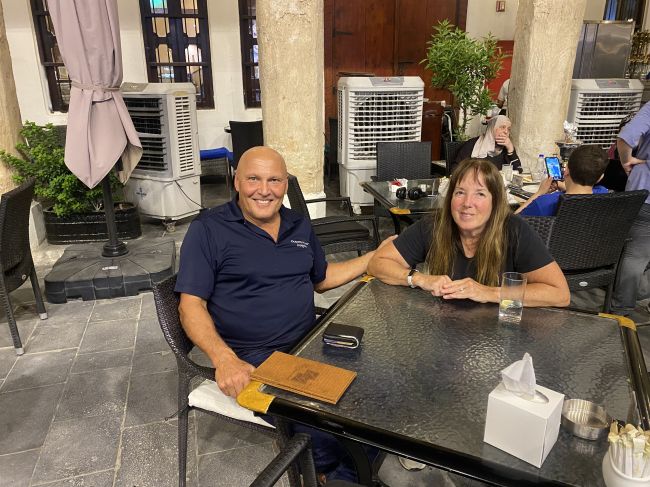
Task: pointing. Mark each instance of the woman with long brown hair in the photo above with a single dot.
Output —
(473, 239)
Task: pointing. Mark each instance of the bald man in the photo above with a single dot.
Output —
(248, 271)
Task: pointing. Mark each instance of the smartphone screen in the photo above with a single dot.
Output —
(553, 168)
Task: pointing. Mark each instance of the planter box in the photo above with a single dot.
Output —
(91, 227)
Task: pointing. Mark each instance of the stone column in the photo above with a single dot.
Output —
(10, 122)
(290, 37)
(546, 38)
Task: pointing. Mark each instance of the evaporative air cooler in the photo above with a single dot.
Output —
(598, 105)
(371, 110)
(166, 182)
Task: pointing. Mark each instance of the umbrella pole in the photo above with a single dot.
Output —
(112, 248)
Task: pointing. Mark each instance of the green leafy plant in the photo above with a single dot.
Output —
(43, 151)
(463, 66)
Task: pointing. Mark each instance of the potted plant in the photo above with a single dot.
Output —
(73, 212)
(463, 66)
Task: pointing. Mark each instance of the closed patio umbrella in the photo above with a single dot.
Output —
(100, 136)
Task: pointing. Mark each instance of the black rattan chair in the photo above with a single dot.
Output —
(166, 301)
(588, 236)
(297, 448)
(451, 151)
(543, 225)
(408, 160)
(244, 136)
(344, 233)
(16, 255)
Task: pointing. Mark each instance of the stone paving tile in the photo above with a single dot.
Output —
(102, 336)
(26, 416)
(216, 435)
(116, 309)
(78, 447)
(100, 392)
(75, 309)
(150, 453)
(98, 479)
(56, 335)
(150, 337)
(234, 467)
(102, 360)
(151, 398)
(7, 359)
(25, 329)
(16, 468)
(151, 363)
(39, 369)
(148, 310)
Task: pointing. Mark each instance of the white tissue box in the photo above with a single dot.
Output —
(525, 429)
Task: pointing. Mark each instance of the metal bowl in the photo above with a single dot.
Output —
(585, 419)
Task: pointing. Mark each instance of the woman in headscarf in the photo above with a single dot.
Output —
(494, 144)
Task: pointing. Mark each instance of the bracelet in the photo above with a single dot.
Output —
(409, 278)
(510, 153)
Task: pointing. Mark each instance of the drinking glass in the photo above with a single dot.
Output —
(511, 302)
(507, 172)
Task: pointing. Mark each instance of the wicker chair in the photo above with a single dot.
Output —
(244, 136)
(297, 448)
(336, 233)
(543, 225)
(451, 151)
(15, 253)
(588, 236)
(166, 301)
(408, 160)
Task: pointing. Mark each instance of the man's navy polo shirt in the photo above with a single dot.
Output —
(259, 293)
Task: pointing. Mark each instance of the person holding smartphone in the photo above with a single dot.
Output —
(494, 144)
(586, 167)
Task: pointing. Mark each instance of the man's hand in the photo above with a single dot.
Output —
(505, 141)
(430, 283)
(631, 162)
(232, 375)
(468, 288)
(545, 186)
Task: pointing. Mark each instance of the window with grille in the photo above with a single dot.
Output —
(177, 44)
(250, 69)
(58, 81)
(625, 10)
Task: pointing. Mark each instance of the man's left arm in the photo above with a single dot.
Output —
(339, 273)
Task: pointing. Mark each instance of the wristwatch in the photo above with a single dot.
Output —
(409, 278)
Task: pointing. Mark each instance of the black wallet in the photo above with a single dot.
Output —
(340, 335)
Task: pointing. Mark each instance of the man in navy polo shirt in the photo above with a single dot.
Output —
(248, 270)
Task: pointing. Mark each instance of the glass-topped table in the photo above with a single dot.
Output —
(426, 366)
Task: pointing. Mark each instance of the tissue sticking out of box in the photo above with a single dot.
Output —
(519, 378)
(570, 132)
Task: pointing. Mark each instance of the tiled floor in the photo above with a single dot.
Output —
(87, 403)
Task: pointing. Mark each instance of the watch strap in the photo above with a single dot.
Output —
(409, 278)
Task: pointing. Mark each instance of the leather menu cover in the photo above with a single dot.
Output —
(303, 376)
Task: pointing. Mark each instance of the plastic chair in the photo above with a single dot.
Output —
(343, 233)
(244, 136)
(588, 236)
(451, 151)
(166, 301)
(15, 254)
(408, 160)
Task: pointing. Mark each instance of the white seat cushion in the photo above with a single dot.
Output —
(208, 396)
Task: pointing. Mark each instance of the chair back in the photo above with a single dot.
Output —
(296, 198)
(590, 230)
(14, 225)
(244, 136)
(451, 151)
(543, 226)
(408, 160)
(166, 301)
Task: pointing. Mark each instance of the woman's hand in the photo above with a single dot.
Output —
(468, 288)
(430, 283)
(504, 140)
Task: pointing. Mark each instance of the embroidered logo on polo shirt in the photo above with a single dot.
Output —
(300, 243)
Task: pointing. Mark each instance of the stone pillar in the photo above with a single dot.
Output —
(10, 122)
(546, 38)
(290, 37)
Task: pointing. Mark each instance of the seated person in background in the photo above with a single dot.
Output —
(502, 97)
(494, 145)
(248, 271)
(472, 241)
(586, 166)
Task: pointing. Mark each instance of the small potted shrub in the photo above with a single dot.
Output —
(72, 212)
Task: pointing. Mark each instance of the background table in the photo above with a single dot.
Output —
(426, 367)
